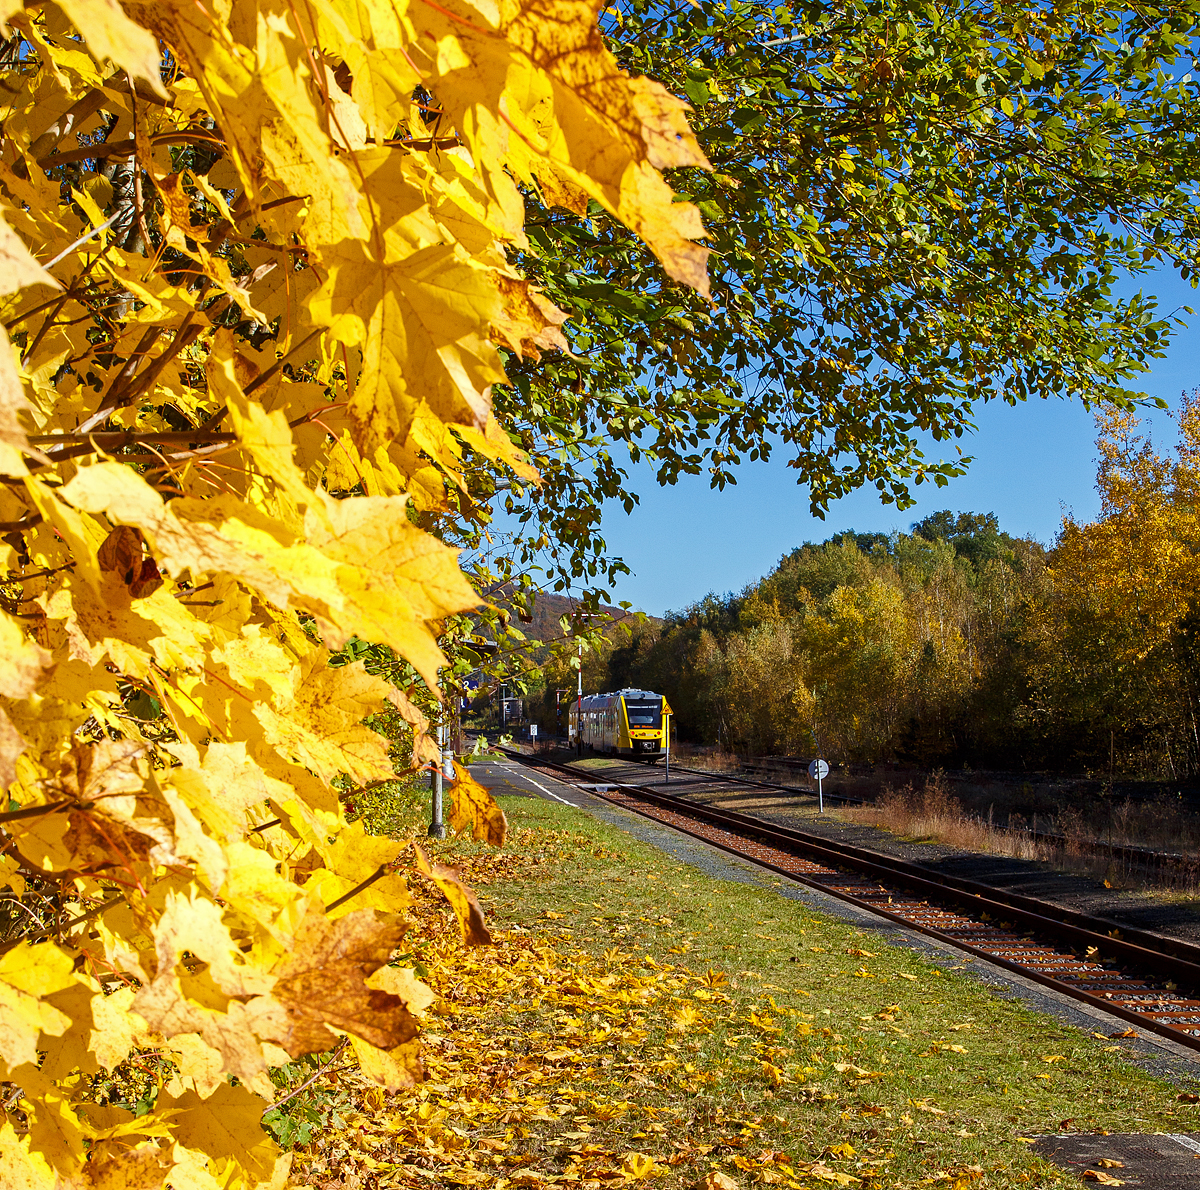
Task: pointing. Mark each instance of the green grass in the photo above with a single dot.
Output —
(598, 762)
(836, 996)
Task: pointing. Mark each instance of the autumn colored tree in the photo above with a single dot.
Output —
(867, 646)
(1116, 662)
(259, 283)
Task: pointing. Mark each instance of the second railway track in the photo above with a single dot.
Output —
(1144, 979)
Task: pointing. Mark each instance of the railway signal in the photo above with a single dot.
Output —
(818, 771)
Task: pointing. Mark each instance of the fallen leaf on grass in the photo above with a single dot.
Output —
(902, 975)
(684, 1018)
(718, 1181)
(818, 1169)
(773, 1073)
(857, 1071)
(1127, 1033)
(462, 899)
(639, 1166)
(1053, 1058)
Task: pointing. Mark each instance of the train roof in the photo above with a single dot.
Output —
(591, 701)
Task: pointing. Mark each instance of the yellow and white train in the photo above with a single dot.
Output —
(624, 723)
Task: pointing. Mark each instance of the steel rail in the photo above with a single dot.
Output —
(1145, 857)
(1142, 950)
(1142, 857)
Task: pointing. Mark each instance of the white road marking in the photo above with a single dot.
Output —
(1186, 1141)
(514, 769)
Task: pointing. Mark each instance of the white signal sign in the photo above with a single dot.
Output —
(818, 771)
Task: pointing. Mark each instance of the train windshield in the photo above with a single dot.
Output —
(644, 712)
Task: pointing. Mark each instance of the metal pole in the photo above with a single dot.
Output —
(820, 794)
(667, 735)
(579, 707)
(448, 756)
(437, 827)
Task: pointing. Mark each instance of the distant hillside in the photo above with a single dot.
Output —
(548, 610)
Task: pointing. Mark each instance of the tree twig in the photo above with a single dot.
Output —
(309, 1082)
(83, 239)
(378, 874)
(61, 928)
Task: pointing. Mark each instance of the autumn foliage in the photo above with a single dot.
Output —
(256, 285)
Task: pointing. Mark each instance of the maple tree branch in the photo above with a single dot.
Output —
(378, 874)
(107, 405)
(139, 209)
(262, 379)
(309, 1082)
(62, 927)
(126, 387)
(30, 522)
(83, 239)
(114, 438)
(423, 144)
(126, 148)
(35, 811)
(24, 578)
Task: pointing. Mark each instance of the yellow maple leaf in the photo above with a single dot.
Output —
(28, 973)
(365, 571)
(716, 1180)
(475, 808)
(321, 724)
(395, 1069)
(462, 899)
(112, 36)
(637, 1167)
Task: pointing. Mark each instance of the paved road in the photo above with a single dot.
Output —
(507, 779)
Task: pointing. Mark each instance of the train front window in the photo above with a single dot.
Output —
(645, 713)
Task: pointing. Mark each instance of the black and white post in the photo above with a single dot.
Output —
(818, 771)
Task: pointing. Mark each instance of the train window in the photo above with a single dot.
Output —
(644, 713)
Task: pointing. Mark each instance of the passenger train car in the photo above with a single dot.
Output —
(624, 723)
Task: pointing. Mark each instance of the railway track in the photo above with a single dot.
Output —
(1171, 867)
(1143, 979)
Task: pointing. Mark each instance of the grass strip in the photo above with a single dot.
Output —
(641, 1023)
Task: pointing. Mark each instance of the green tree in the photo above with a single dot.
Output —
(912, 209)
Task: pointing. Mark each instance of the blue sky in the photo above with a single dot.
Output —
(1032, 463)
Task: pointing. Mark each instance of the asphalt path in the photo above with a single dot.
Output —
(1159, 1055)
(507, 779)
